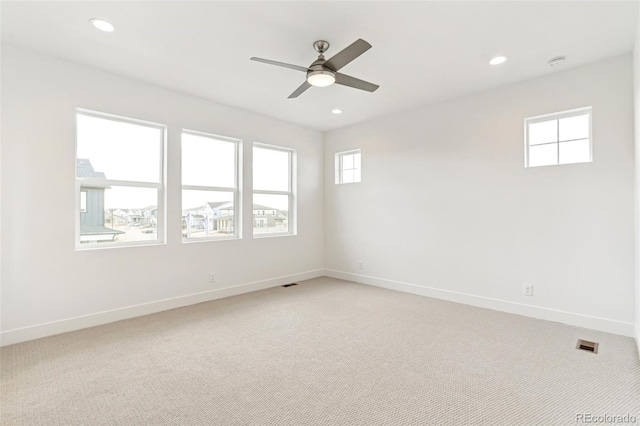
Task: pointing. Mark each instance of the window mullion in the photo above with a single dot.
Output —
(208, 188)
(265, 192)
(557, 141)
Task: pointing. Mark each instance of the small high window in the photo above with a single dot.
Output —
(560, 138)
(348, 167)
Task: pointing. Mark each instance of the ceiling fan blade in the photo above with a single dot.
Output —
(347, 80)
(347, 55)
(280, 64)
(304, 86)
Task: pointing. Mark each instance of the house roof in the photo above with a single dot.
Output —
(85, 169)
(261, 207)
(219, 204)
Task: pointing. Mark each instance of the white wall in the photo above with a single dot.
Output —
(636, 104)
(447, 209)
(48, 286)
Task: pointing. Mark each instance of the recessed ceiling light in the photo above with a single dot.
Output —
(336, 111)
(102, 25)
(498, 60)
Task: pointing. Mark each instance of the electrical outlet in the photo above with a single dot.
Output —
(360, 265)
(527, 289)
(212, 277)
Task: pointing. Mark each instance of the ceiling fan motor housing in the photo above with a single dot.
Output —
(319, 75)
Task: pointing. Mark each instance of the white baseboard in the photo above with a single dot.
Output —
(10, 337)
(571, 318)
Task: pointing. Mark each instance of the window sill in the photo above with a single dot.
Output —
(208, 240)
(274, 235)
(106, 246)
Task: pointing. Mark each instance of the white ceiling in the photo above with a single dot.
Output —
(422, 52)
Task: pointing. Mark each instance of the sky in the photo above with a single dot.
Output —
(132, 151)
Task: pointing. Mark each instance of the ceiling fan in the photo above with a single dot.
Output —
(324, 72)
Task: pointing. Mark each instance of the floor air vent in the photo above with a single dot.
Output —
(289, 285)
(587, 346)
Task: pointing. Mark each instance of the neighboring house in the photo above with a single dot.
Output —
(150, 216)
(223, 220)
(217, 216)
(216, 209)
(267, 217)
(92, 227)
(117, 217)
(147, 217)
(220, 214)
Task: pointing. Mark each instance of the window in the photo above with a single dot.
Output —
(210, 196)
(119, 180)
(348, 167)
(561, 138)
(273, 190)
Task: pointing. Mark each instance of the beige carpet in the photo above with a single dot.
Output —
(325, 352)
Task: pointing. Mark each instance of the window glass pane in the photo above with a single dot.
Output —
(543, 155)
(207, 214)
(574, 152)
(543, 132)
(347, 161)
(270, 214)
(83, 201)
(118, 213)
(270, 169)
(118, 150)
(207, 161)
(576, 127)
(347, 176)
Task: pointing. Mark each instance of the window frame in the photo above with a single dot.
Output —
(557, 116)
(160, 186)
(237, 196)
(339, 170)
(291, 193)
(83, 200)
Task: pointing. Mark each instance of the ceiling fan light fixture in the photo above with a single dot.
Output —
(321, 78)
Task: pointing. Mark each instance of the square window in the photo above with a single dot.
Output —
(348, 167)
(560, 138)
